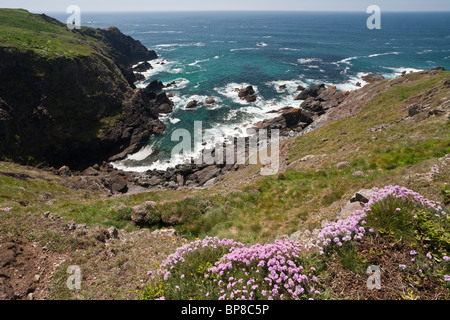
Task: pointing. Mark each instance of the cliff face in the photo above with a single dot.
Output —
(69, 98)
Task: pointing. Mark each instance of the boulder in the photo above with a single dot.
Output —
(210, 101)
(210, 183)
(90, 172)
(362, 196)
(118, 185)
(142, 67)
(64, 171)
(192, 105)
(207, 174)
(349, 209)
(312, 92)
(372, 77)
(295, 115)
(247, 94)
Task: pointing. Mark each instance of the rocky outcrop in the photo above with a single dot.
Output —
(317, 101)
(325, 100)
(248, 94)
(372, 78)
(192, 104)
(78, 109)
(312, 92)
(142, 67)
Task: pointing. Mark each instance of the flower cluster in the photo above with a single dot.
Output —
(7, 209)
(181, 252)
(270, 271)
(352, 227)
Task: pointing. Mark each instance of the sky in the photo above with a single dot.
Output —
(44, 6)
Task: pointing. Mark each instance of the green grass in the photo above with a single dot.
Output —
(47, 37)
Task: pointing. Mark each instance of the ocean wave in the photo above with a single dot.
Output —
(351, 83)
(142, 154)
(174, 120)
(347, 60)
(231, 91)
(180, 83)
(158, 66)
(290, 49)
(383, 54)
(395, 72)
(424, 51)
(197, 62)
(243, 49)
(308, 60)
(169, 45)
(289, 85)
(160, 32)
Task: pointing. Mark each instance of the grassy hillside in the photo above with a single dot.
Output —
(42, 34)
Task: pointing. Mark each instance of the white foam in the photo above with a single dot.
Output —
(141, 154)
(191, 44)
(180, 102)
(383, 54)
(160, 65)
(197, 62)
(291, 85)
(174, 120)
(290, 49)
(162, 32)
(181, 83)
(308, 60)
(243, 49)
(424, 51)
(231, 91)
(347, 60)
(398, 71)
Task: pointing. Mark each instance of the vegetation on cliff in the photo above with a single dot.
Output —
(67, 97)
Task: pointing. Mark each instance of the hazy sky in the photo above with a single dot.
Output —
(211, 5)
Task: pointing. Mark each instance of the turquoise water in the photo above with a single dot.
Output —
(209, 54)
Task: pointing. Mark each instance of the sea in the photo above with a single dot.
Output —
(211, 54)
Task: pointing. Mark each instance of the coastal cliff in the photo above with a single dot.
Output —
(67, 97)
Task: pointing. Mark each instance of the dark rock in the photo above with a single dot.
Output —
(154, 86)
(439, 68)
(210, 101)
(358, 84)
(282, 87)
(90, 172)
(435, 112)
(64, 171)
(103, 115)
(312, 92)
(415, 110)
(300, 88)
(142, 67)
(362, 196)
(372, 77)
(247, 94)
(207, 174)
(192, 105)
(327, 99)
(118, 185)
(295, 115)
